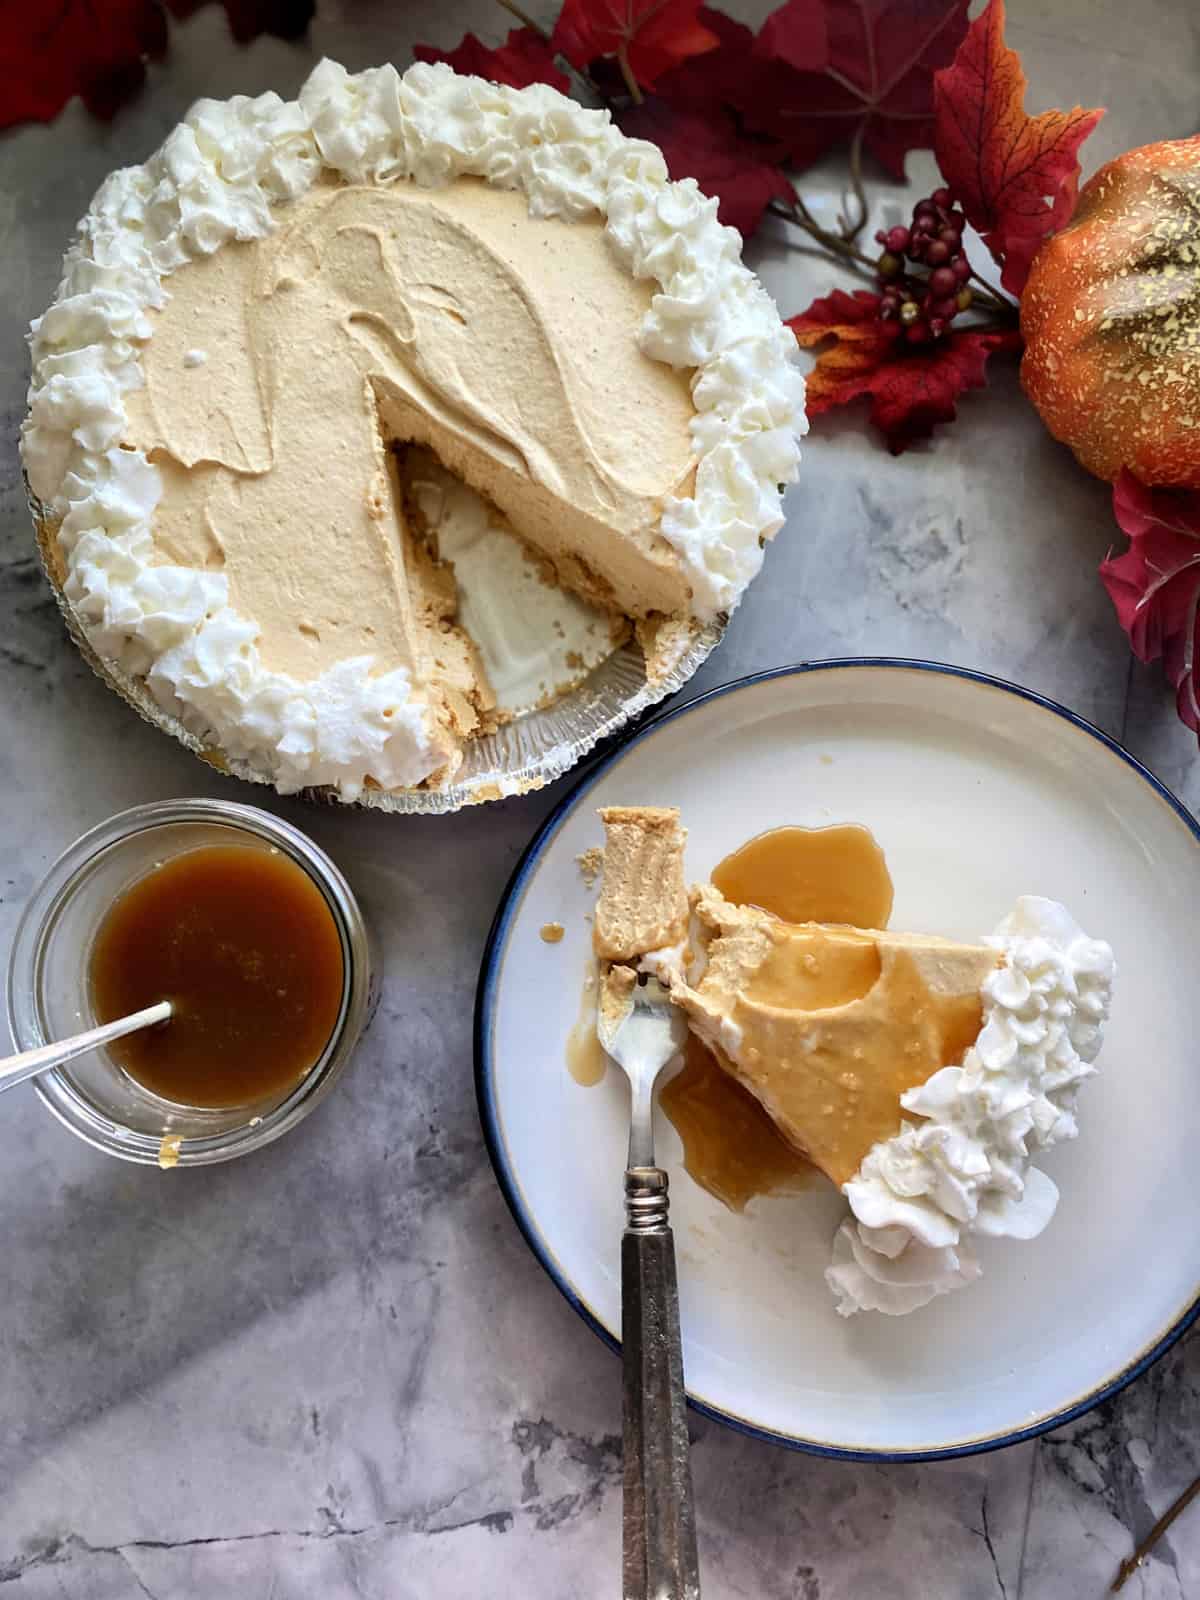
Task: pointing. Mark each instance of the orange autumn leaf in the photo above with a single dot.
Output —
(912, 388)
(862, 343)
(1015, 176)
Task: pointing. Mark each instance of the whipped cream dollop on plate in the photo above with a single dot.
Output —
(965, 1167)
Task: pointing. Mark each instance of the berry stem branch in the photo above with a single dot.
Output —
(851, 230)
(836, 244)
(631, 83)
(982, 295)
(844, 249)
(985, 294)
(584, 78)
(523, 16)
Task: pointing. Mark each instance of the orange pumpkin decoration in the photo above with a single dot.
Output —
(1111, 319)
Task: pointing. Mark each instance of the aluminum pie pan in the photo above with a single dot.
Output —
(524, 754)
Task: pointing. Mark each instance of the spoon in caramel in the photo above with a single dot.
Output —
(16, 1069)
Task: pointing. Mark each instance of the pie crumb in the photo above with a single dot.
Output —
(591, 863)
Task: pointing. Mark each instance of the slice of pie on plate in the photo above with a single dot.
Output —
(919, 1073)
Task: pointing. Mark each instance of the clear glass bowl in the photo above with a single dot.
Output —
(48, 994)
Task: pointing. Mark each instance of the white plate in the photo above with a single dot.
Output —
(977, 793)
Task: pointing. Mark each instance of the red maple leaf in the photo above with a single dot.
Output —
(833, 69)
(48, 54)
(729, 74)
(707, 146)
(284, 19)
(647, 37)
(525, 57)
(912, 387)
(1015, 176)
(51, 52)
(689, 116)
(1155, 584)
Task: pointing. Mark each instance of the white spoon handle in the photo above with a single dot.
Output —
(15, 1069)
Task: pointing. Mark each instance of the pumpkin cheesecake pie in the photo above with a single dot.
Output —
(643, 905)
(829, 1026)
(642, 914)
(920, 1074)
(252, 323)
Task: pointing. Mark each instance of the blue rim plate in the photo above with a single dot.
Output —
(1126, 1364)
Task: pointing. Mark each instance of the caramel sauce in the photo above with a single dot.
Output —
(242, 942)
(586, 1061)
(834, 874)
(730, 1145)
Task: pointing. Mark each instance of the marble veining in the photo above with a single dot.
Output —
(334, 1369)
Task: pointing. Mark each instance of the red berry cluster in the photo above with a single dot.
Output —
(925, 305)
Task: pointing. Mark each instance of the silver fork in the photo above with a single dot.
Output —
(659, 1529)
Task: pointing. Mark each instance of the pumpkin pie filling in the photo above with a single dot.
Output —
(828, 1026)
(375, 317)
(643, 905)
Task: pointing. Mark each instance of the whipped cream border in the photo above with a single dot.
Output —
(215, 179)
(965, 1168)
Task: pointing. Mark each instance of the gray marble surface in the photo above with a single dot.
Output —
(333, 1369)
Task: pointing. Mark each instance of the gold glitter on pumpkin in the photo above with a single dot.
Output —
(1111, 319)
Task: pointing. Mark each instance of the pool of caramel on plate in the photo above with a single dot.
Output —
(586, 1060)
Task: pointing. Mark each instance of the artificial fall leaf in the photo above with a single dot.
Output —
(1015, 176)
(525, 57)
(912, 387)
(727, 75)
(1155, 584)
(48, 54)
(832, 69)
(51, 52)
(707, 146)
(648, 37)
(284, 19)
(689, 117)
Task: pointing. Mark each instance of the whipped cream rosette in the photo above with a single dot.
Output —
(966, 1167)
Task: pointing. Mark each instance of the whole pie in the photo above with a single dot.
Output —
(920, 1074)
(256, 328)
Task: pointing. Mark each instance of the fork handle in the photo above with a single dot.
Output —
(659, 1528)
